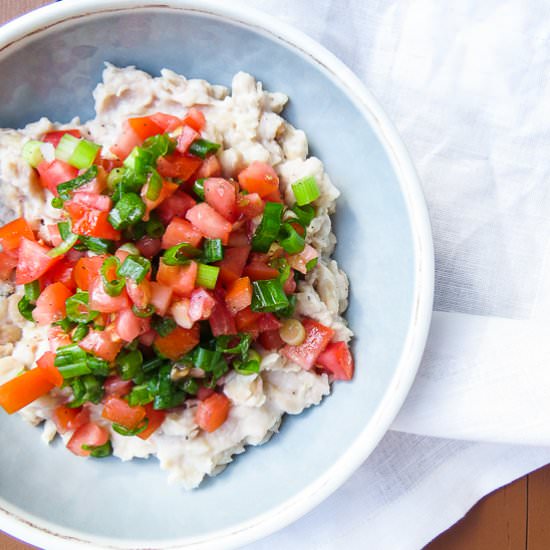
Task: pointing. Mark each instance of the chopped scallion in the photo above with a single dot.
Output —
(127, 211)
(290, 239)
(180, 254)
(78, 309)
(64, 247)
(163, 325)
(129, 364)
(99, 451)
(84, 154)
(134, 267)
(198, 188)
(268, 296)
(32, 153)
(207, 275)
(306, 190)
(64, 189)
(212, 251)
(128, 433)
(268, 230)
(154, 186)
(202, 147)
(113, 281)
(32, 291)
(25, 309)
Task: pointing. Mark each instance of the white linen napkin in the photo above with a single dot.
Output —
(466, 85)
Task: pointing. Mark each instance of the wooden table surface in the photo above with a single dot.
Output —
(515, 517)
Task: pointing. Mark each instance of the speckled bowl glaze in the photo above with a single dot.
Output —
(51, 60)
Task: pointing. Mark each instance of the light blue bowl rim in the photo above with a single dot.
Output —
(47, 535)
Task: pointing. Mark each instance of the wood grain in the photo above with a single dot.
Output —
(513, 518)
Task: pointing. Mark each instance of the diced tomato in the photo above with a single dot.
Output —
(155, 419)
(232, 265)
(99, 300)
(147, 338)
(168, 123)
(246, 320)
(195, 118)
(67, 418)
(148, 246)
(139, 293)
(268, 321)
(89, 434)
(91, 222)
(180, 278)
(54, 237)
(11, 233)
(238, 239)
(86, 270)
(175, 206)
(114, 385)
(274, 197)
(337, 359)
(92, 200)
(129, 326)
(250, 206)
(104, 344)
(300, 261)
(178, 342)
(212, 412)
(210, 168)
(57, 337)
(258, 270)
(271, 340)
(55, 172)
(222, 196)
(221, 321)
(161, 295)
(259, 177)
(180, 313)
(239, 295)
(50, 306)
(33, 261)
(24, 389)
(186, 138)
(180, 231)
(8, 261)
(55, 137)
(209, 222)
(201, 304)
(107, 164)
(46, 362)
(127, 140)
(290, 284)
(144, 127)
(118, 411)
(179, 166)
(61, 272)
(318, 337)
(204, 393)
(168, 189)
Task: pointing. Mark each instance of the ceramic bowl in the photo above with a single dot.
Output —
(54, 58)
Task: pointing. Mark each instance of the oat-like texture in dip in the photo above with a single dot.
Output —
(246, 120)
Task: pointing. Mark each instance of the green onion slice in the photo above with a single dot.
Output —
(80, 332)
(32, 153)
(113, 287)
(163, 325)
(72, 361)
(268, 230)
(129, 364)
(290, 239)
(207, 275)
(154, 186)
(32, 291)
(250, 366)
(212, 251)
(198, 188)
(99, 451)
(311, 264)
(180, 254)
(64, 189)
(306, 190)
(154, 227)
(128, 210)
(97, 245)
(134, 267)
(304, 214)
(78, 309)
(147, 311)
(268, 296)
(201, 148)
(66, 147)
(137, 430)
(26, 308)
(64, 247)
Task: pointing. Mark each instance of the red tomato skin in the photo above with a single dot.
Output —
(87, 434)
(177, 165)
(8, 262)
(210, 168)
(161, 295)
(91, 222)
(175, 206)
(24, 389)
(46, 362)
(167, 123)
(93, 200)
(67, 418)
(212, 412)
(11, 233)
(55, 172)
(129, 326)
(271, 340)
(201, 304)
(139, 293)
(251, 205)
(117, 410)
(180, 278)
(180, 231)
(57, 337)
(239, 295)
(186, 138)
(221, 321)
(156, 418)
(50, 305)
(233, 264)
(318, 337)
(204, 393)
(258, 270)
(144, 127)
(55, 136)
(268, 321)
(259, 177)
(33, 261)
(127, 140)
(221, 195)
(86, 270)
(209, 222)
(337, 359)
(246, 320)
(104, 344)
(195, 118)
(99, 300)
(114, 385)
